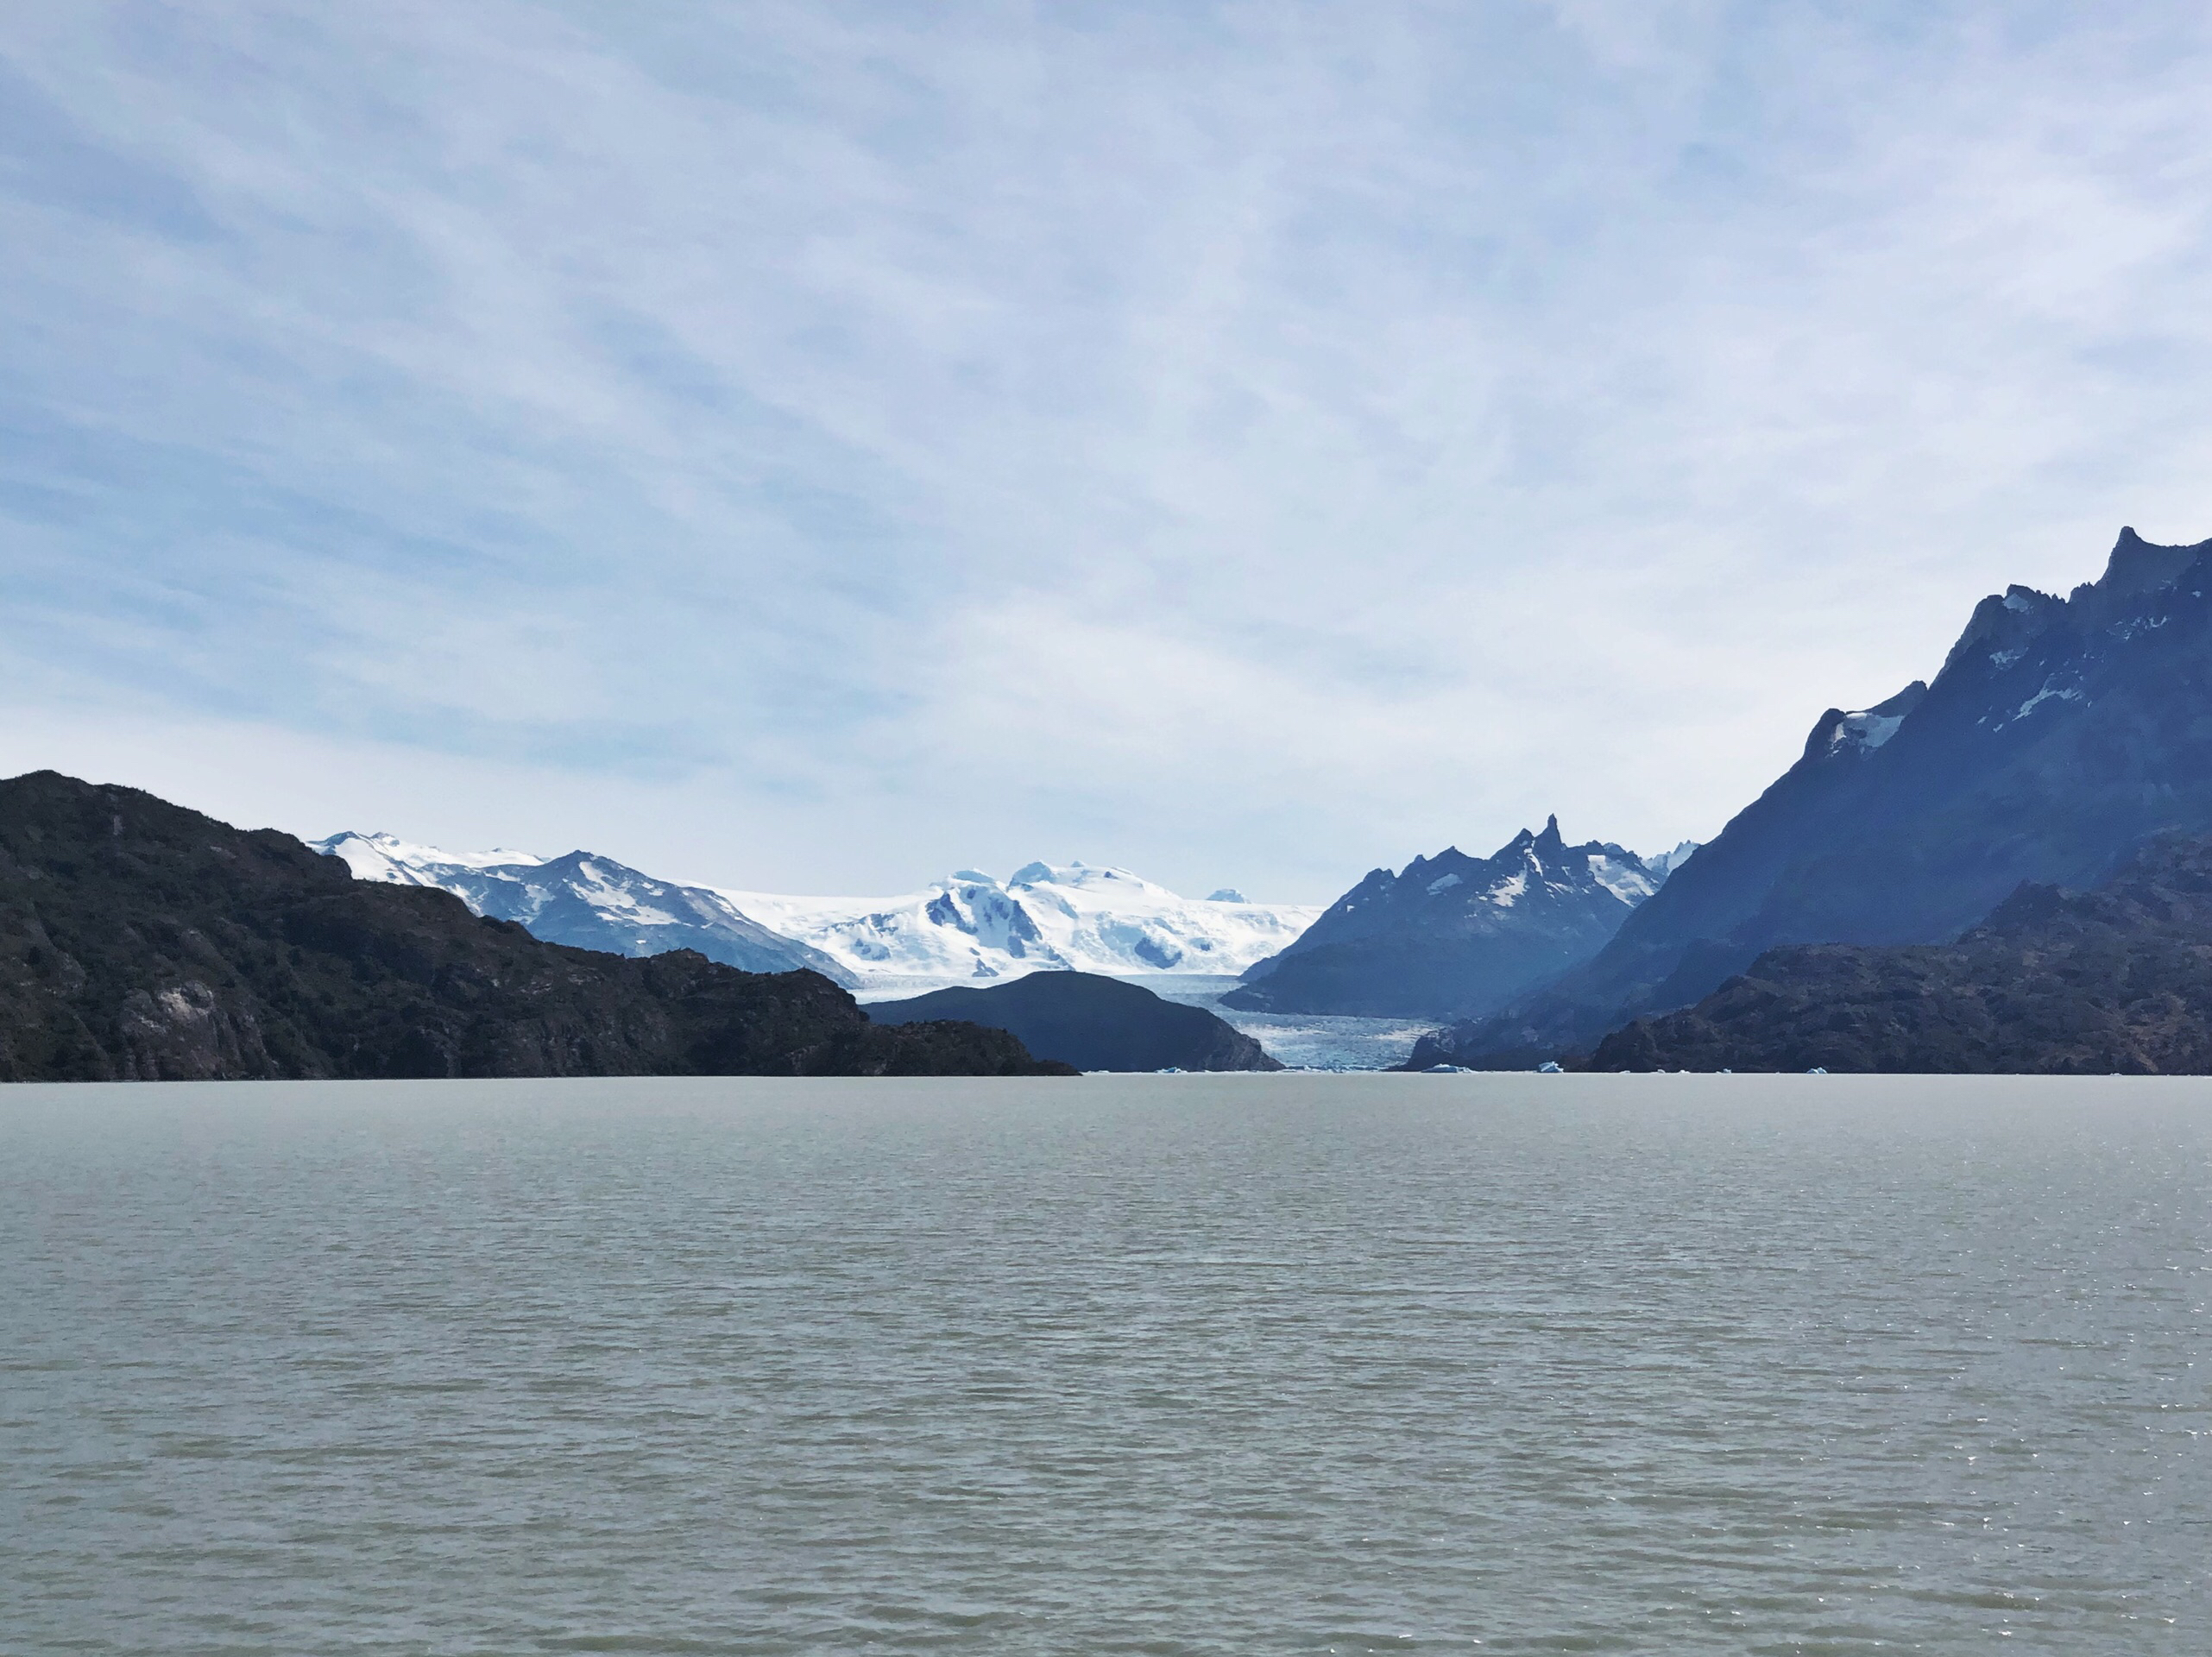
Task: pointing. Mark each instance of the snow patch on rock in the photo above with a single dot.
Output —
(1665, 863)
(394, 861)
(2046, 694)
(1865, 730)
(1629, 882)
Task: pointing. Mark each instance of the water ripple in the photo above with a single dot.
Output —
(1171, 1365)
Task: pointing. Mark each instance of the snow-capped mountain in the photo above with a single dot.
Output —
(591, 902)
(1043, 917)
(398, 862)
(2059, 733)
(967, 928)
(1455, 934)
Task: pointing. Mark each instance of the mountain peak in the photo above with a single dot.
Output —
(1864, 729)
(2060, 732)
(1451, 932)
(373, 856)
(2141, 566)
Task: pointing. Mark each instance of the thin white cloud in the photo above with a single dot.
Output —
(1250, 443)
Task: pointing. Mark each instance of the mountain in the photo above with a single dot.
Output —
(140, 942)
(403, 863)
(969, 926)
(587, 901)
(1073, 917)
(2054, 982)
(1092, 1023)
(1453, 935)
(2059, 733)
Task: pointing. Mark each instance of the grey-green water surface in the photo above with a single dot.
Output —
(1198, 1365)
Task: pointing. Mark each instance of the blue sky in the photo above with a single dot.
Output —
(814, 447)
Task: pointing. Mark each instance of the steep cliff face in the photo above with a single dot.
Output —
(142, 941)
(1453, 935)
(2054, 982)
(2059, 735)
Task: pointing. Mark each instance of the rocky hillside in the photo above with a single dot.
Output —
(1093, 1023)
(2059, 733)
(1453, 935)
(140, 941)
(2052, 983)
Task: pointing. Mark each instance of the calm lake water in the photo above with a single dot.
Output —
(1149, 1364)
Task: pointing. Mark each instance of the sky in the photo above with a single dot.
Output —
(814, 447)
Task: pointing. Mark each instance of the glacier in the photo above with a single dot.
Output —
(1043, 917)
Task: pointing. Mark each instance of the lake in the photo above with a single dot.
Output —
(1140, 1365)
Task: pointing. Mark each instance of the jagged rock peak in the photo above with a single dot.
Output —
(1543, 840)
(2141, 566)
(2060, 732)
(2013, 620)
(1450, 931)
(2004, 625)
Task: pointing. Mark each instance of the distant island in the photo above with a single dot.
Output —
(1092, 1023)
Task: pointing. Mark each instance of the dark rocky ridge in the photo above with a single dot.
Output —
(2054, 982)
(2059, 733)
(1093, 1023)
(142, 940)
(1454, 936)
